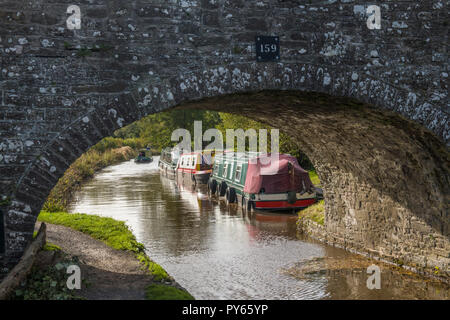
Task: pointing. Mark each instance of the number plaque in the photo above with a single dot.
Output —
(267, 48)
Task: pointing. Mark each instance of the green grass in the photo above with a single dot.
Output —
(316, 213)
(51, 247)
(314, 177)
(114, 233)
(162, 292)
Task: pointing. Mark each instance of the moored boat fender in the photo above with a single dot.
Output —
(291, 197)
(231, 195)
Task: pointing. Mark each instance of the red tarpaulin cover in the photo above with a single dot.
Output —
(281, 174)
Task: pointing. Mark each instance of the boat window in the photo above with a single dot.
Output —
(238, 173)
(193, 161)
(225, 170)
(182, 161)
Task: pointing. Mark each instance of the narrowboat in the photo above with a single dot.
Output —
(168, 162)
(195, 167)
(261, 182)
(142, 157)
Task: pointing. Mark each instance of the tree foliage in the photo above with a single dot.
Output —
(157, 129)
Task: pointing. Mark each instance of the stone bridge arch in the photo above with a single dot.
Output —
(369, 107)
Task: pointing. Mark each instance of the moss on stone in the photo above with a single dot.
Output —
(314, 177)
(237, 50)
(399, 262)
(51, 247)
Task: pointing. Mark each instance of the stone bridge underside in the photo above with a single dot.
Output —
(369, 107)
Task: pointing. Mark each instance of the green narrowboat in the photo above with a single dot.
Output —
(262, 181)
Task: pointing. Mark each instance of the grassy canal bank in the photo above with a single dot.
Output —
(48, 277)
(315, 212)
(114, 233)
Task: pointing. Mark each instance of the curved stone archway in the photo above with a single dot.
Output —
(386, 179)
(383, 160)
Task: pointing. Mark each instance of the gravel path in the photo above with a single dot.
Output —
(111, 274)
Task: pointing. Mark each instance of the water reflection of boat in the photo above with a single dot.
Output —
(168, 184)
(275, 218)
(188, 184)
(274, 223)
(193, 195)
(196, 196)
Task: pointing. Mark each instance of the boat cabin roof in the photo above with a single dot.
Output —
(237, 156)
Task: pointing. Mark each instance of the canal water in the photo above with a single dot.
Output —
(218, 252)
